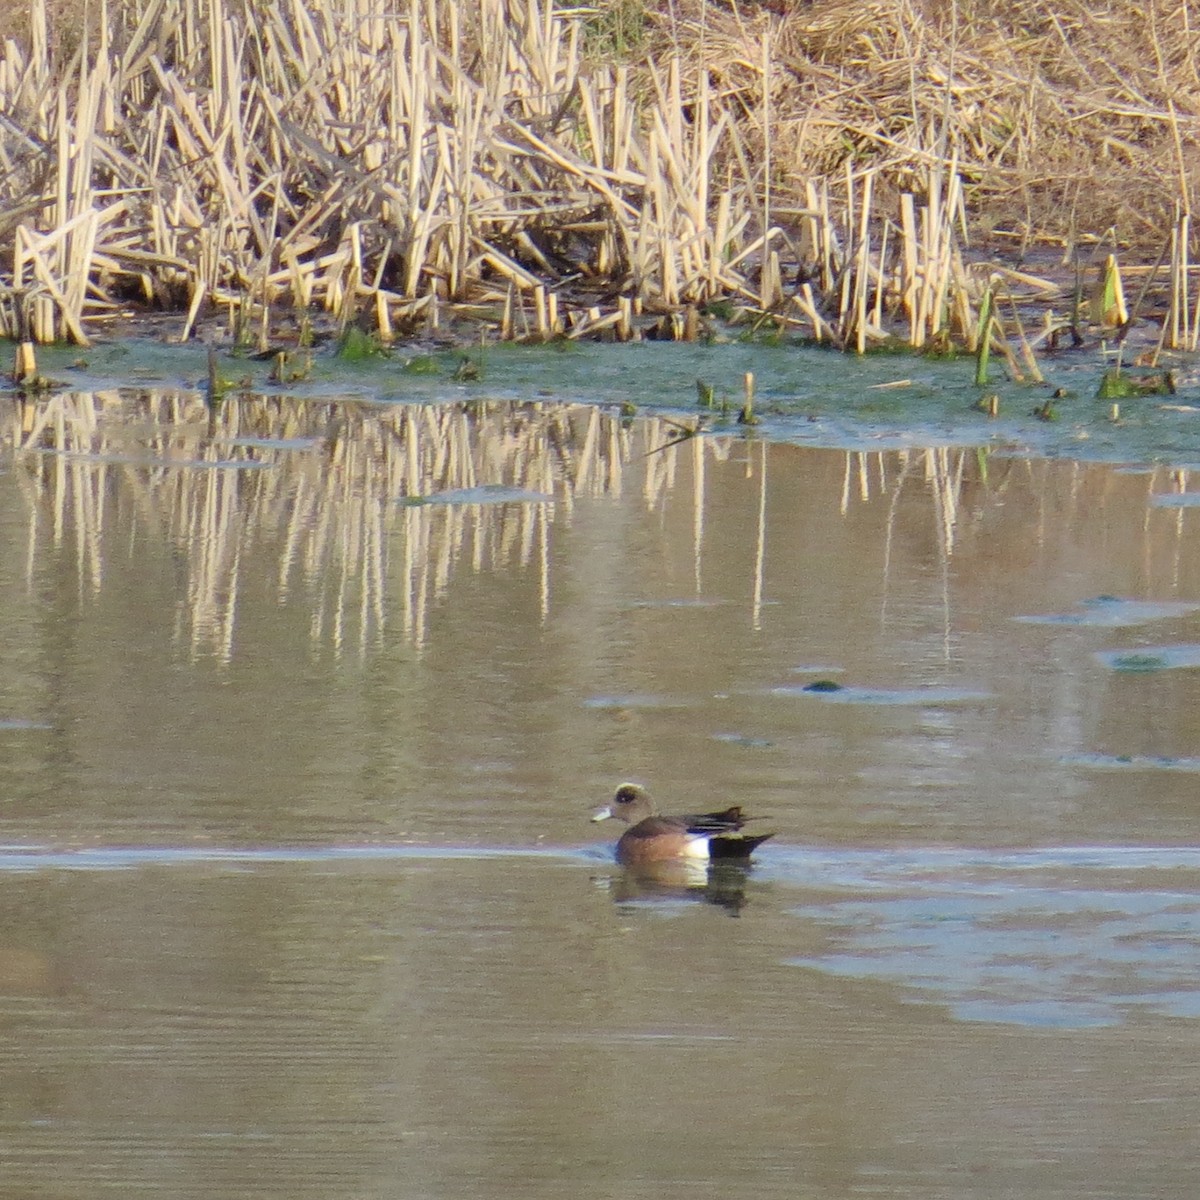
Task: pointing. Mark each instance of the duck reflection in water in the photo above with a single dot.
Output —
(705, 855)
(721, 883)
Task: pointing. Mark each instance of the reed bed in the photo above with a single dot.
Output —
(830, 168)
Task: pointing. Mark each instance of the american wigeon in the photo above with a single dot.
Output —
(712, 837)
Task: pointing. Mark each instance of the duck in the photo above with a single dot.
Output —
(652, 839)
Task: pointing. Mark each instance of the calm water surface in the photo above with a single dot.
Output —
(302, 711)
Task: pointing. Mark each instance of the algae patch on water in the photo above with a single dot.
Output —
(1152, 658)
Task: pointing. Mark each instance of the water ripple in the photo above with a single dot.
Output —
(1066, 936)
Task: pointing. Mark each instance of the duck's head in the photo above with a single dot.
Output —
(631, 804)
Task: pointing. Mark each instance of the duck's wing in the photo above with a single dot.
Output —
(728, 821)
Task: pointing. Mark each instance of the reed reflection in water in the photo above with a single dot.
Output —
(338, 494)
(372, 509)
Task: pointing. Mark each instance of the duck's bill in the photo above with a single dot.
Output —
(602, 814)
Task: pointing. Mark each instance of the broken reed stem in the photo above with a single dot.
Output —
(24, 363)
(746, 416)
(1027, 354)
(1182, 333)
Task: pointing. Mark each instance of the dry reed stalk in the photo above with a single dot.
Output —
(930, 263)
(806, 302)
(881, 278)
(852, 314)
(1027, 354)
(820, 242)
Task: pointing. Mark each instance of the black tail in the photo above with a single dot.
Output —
(735, 847)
